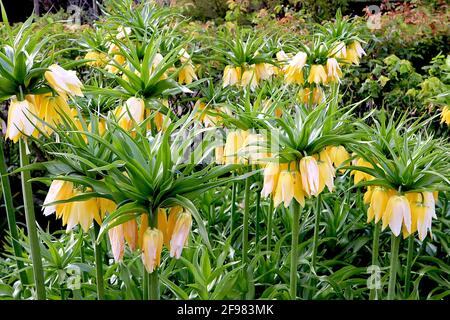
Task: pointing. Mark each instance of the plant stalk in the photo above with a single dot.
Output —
(153, 287)
(145, 282)
(316, 233)
(98, 264)
(296, 210)
(269, 224)
(395, 244)
(11, 217)
(233, 206)
(38, 271)
(375, 245)
(246, 219)
(258, 213)
(409, 263)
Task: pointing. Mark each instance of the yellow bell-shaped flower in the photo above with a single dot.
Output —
(264, 71)
(378, 202)
(151, 249)
(249, 78)
(233, 145)
(334, 72)
(271, 174)
(310, 174)
(397, 213)
(294, 70)
(50, 109)
(317, 74)
(338, 156)
(132, 112)
(21, 119)
(63, 81)
(100, 59)
(231, 76)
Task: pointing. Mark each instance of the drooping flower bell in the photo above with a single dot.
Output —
(271, 175)
(99, 59)
(339, 50)
(294, 70)
(231, 76)
(117, 59)
(309, 171)
(334, 72)
(326, 171)
(354, 53)
(338, 156)
(233, 144)
(317, 74)
(187, 71)
(182, 223)
(289, 186)
(252, 148)
(249, 78)
(422, 213)
(132, 112)
(264, 71)
(21, 119)
(152, 243)
(64, 82)
(359, 175)
(379, 198)
(127, 231)
(81, 212)
(398, 213)
(50, 108)
(282, 59)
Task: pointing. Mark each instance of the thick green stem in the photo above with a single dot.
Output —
(296, 210)
(38, 271)
(409, 262)
(246, 219)
(269, 225)
(258, 213)
(145, 282)
(375, 245)
(316, 233)
(233, 206)
(82, 257)
(98, 264)
(153, 293)
(395, 244)
(11, 217)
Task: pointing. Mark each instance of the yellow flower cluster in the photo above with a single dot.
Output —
(99, 59)
(187, 72)
(305, 178)
(244, 76)
(348, 54)
(172, 231)
(133, 112)
(242, 147)
(408, 212)
(293, 69)
(81, 212)
(23, 115)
